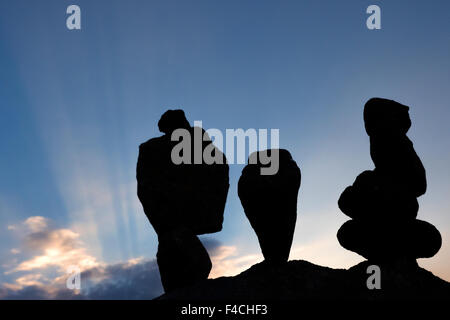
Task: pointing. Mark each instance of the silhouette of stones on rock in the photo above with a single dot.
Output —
(383, 202)
(270, 203)
(181, 200)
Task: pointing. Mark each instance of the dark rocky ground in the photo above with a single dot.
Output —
(302, 280)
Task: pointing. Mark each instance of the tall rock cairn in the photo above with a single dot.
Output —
(181, 200)
(383, 202)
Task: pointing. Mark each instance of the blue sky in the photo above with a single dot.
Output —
(75, 105)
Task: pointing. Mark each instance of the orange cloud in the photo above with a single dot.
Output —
(227, 261)
(29, 280)
(60, 248)
(44, 274)
(36, 223)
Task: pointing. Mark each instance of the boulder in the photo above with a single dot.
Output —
(385, 240)
(370, 197)
(188, 195)
(383, 117)
(387, 122)
(270, 204)
(182, 259)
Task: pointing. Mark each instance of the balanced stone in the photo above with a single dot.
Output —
(386, 117)
(392, 152)
(270, 203)
(182, 259)
(385, 240)
(371, 198)
(172, 120)
(187, 194)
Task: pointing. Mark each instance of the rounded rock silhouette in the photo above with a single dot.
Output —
(383, 241)
(270, 203)
(188, 195)
(182, 259)
(371, 197)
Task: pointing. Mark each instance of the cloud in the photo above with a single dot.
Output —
(325, 251)
(59, 248)
(40, 266)
(29, 280)
(27, 293)
(43, 274)
(45, 255)
(36, 223)
(47, 252)
(134, 279)
(228, 260)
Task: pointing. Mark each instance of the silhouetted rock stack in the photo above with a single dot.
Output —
(181, 200)
(383, 202)
(270, 203)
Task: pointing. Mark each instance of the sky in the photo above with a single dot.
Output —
(76, 104)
